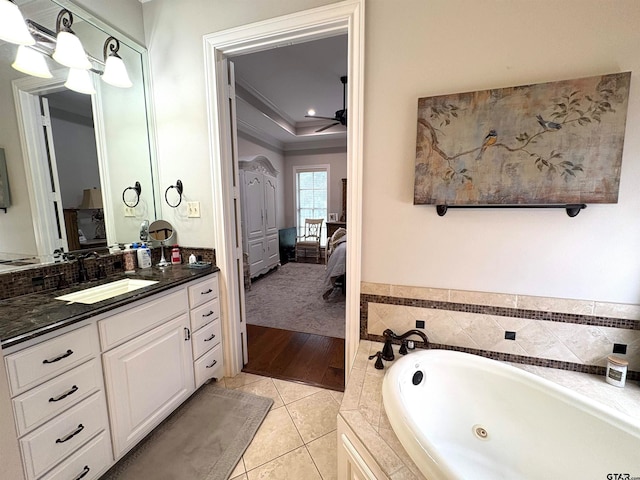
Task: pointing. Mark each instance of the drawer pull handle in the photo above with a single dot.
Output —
(187, 334)
(64, 395)
(214, 362)
(85, 470)
(71, 435)
(206, 292)
(208, 314)
(57, 359)
(213, 335)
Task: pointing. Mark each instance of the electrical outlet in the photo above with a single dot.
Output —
(193, 209)
(620, 348)
(509, 335)
(419, 323)
(129, 211)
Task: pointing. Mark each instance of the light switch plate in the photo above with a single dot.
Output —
(193, 209)
(129, 211)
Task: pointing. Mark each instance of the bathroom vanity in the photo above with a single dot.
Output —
(87, 382)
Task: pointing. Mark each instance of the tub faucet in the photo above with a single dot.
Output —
(389, 336)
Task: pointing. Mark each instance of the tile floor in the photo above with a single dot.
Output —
(298, 436)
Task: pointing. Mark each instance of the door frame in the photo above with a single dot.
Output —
(26, 91)
(342, 17)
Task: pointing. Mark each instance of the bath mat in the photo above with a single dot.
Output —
(202, 440)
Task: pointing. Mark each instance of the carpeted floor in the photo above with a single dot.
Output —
(290, 298)
(202, 440)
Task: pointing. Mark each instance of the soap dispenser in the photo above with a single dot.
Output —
(144, 256)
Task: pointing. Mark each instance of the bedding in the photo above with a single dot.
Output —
(336, 266)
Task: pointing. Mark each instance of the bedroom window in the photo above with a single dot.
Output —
(312, 193)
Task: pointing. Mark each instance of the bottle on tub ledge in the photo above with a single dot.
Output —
(144, 256)
(175, 255)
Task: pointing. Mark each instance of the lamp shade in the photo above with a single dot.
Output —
(80, 81)
(69, 51)
(115, 72)
(13, 28)
(91, 199)
(31, 62)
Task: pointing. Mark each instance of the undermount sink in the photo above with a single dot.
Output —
(108, 290)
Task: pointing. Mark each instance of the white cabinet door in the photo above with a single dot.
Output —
(270, 203)
(253, 205)
(273, 251)
(146, 379)
(257, 256)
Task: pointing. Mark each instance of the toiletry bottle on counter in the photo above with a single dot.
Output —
(175, 255)
(192, 259)
(129, 260)
(144, 256)
(616, 371)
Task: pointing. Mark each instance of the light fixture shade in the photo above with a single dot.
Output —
(69, 52)
(31, 62)
(91, 199)
(115, 72)
(12, 25)
(79, 81)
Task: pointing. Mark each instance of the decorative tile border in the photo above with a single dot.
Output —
(581, 319)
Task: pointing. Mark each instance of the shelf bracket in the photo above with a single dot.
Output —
(571, 209)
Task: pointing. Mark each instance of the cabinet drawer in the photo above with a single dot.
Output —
(204, 314)
(46, 446)
(203, 291)
(131, 323)
(206, 338)
(209, 365)
(88, 463)
(39, 363)
(34, 407)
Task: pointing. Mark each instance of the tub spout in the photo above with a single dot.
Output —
(414, 332)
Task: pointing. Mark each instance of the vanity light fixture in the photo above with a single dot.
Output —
(115, 72)
(69, 51)
(13, 28)
(80, 81)
(31, 62)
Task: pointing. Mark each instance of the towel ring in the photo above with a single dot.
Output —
(138, 189)
(178, 187)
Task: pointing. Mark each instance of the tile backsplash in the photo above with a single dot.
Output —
(561, 333)
(64, 274)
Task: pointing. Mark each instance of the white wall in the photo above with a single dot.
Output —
(445, 46)
(413, 49)
(123, 15)
(337, 161)
(174, 37)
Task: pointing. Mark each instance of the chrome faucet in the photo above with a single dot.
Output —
(389, 336)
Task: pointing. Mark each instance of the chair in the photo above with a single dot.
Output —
(310, 240)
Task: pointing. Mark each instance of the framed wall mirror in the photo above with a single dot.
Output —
(70, 156)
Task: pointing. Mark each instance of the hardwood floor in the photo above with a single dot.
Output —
(302, 357)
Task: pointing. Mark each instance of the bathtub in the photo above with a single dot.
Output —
(461, 416)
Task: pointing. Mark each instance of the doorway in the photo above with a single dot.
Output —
(291, 169)
(344, 17)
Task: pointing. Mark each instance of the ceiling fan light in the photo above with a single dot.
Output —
(31, 62)
(13, 28)
(69, 52)
(79, 81)
(115, 72)
(311, 112)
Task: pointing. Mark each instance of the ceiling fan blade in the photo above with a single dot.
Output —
(321, 118)
(328, 126)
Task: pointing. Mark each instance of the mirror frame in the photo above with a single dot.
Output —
(32, 83)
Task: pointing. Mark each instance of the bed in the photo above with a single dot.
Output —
(335, 276)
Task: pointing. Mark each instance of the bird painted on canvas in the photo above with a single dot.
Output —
(547, 124)
(490, 139)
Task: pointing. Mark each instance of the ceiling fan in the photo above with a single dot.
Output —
(340, 118)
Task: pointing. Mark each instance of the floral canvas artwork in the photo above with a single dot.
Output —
(548, 143)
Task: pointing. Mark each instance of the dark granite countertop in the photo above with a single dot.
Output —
(28, 316)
